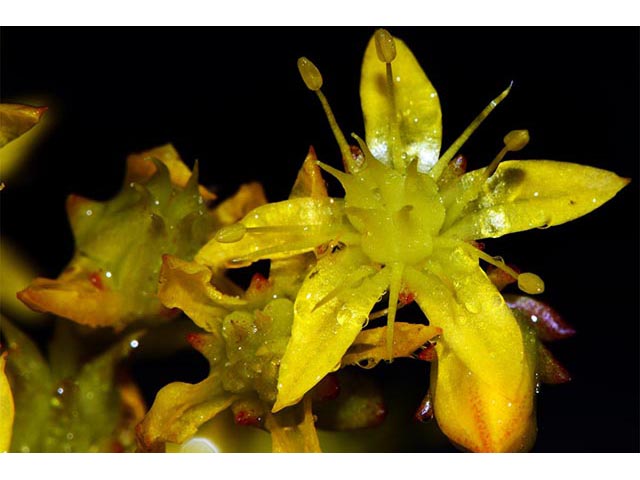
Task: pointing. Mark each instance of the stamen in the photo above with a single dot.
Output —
(514, 141)
(527, 282)
(439, 167)
(386, 51)
(313, 80)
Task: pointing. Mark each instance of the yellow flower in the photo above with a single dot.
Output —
(407, 223)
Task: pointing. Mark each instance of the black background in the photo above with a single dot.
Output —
(232, 99)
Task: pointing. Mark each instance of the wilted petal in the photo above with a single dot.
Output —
(180, 408)
(527, 194)
(187, 286)
(331, 307)
(417, 108)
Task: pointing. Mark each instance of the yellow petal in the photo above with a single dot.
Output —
(371, 345)
(483, 341)
(331, 307)
(294, 226)
(417, 107)
(533, 193)
(289, 436)
(476, 415)
(187, 286)
(179, 409)
(7, 407)
(140, 167)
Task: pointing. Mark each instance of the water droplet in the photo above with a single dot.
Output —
(156, 202)
(535, 194)
(134, 343)
(89, 395)
(89, 212)
(534, 318)
(60, 390)
(107, 274)
(25, 449)
(69, 436)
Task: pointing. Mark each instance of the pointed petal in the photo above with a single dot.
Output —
(295, 226)
(527, 194)
(484, 383)
(417, 106)
(476, 415)
(328, 315)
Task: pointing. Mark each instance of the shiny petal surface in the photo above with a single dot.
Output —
(333, 304)
(295, 226)
(484, 382)
(417, 108)
(533, 193)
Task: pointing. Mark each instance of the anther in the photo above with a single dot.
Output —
(313, 80)
(310, 74)
(516, 140)
(530, 283)
(513, 141)
(385, 46)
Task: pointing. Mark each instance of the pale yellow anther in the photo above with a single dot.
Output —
(231, 233)
(385, 46)
(530, 283)
(310, 74)
(516, 140)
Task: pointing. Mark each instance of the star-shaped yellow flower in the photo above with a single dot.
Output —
(406, 223)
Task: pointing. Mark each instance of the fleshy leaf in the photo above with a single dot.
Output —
(370, 345)
(289, 435)
(417, 108)
(525, 194)
(16, 120)
(296, 226)
(549, 369)
(331, 307)
(547, 323)
(7, 407)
